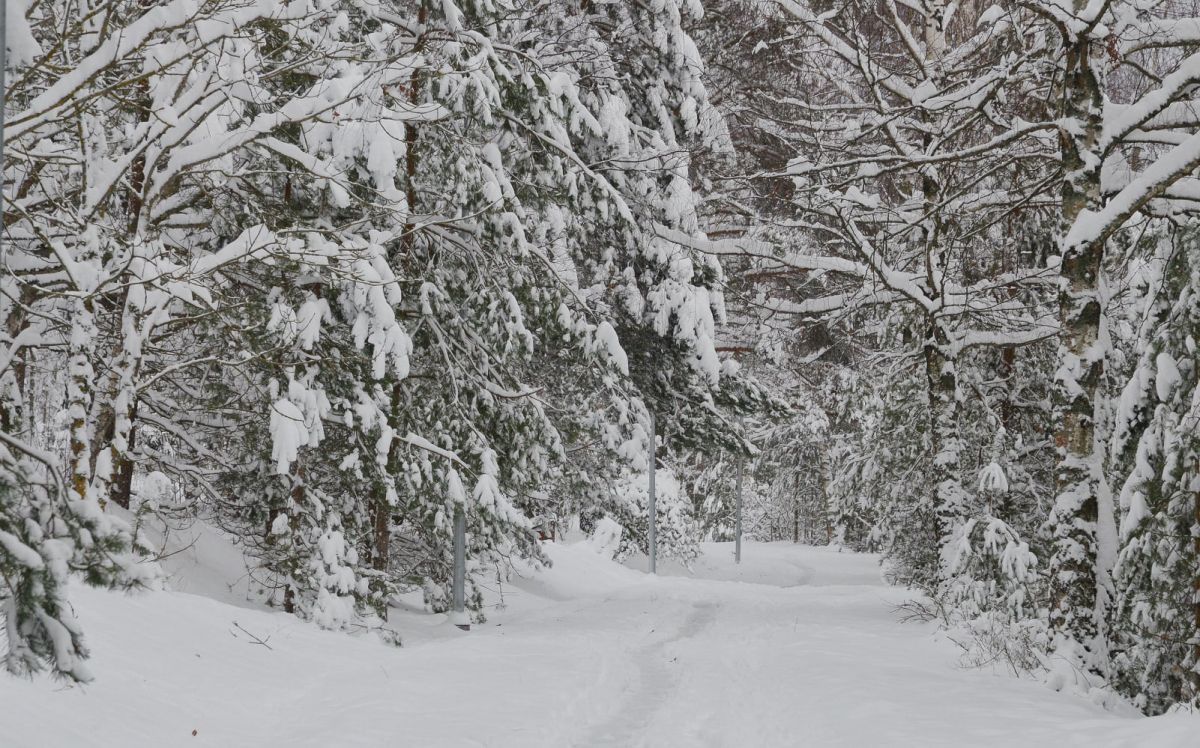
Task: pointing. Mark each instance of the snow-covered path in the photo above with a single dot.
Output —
(586, 654)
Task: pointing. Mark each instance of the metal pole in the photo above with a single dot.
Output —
(653, 547)
(737, 533)
(796, 511)
(459, 589)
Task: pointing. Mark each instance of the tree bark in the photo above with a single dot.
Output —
(1077, 608)
(949, 506)
(122, 487)
(381, 533)
(80, 379)
(1195, 674)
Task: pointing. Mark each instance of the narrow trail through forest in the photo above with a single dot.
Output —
(797, 646)
(654, 686)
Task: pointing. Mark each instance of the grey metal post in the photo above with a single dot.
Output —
(459, 589)
(653, 547)
(737, 533)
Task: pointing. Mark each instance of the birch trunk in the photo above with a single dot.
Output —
(1078, 581)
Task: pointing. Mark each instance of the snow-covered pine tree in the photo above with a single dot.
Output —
(629, 78)
(1157, 446)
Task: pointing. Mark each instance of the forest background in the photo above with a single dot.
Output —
(328, 274)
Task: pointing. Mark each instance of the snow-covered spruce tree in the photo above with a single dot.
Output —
(484, 292)
(1156, 447)
(46, 533)
(851, 506)
(299, 426)
(636, 109)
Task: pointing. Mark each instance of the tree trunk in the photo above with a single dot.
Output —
(949, 506)
(823, 477)
(381, 532)
(1196, 597)
(122, 487)
(80, 377)
(1008, 360)
(123, 428)
(1077, 603)
(298, 500)
(11, 417)
(411, 161)
(941, 371)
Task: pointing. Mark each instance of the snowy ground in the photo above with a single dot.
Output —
(799, 646)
